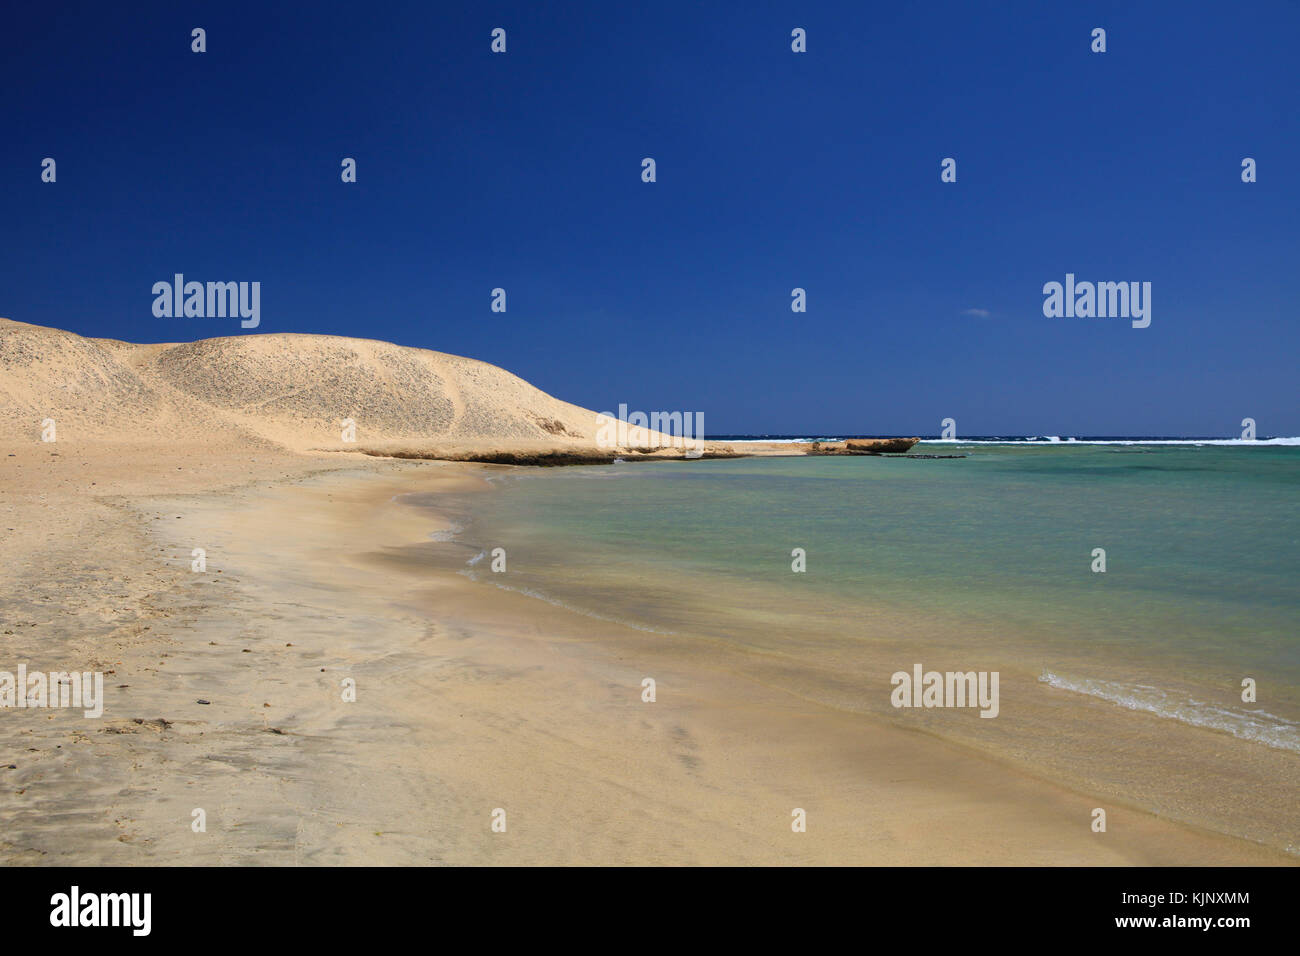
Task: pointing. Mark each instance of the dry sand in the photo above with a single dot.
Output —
(468, 699)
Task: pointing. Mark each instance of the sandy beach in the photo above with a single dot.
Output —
(326, 689)
(468, 699)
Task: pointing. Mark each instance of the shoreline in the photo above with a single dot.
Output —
(832, 650)
(468, 699)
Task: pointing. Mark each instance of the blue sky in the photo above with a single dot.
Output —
(775, 170)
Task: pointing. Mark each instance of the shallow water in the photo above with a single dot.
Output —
(1124, 681)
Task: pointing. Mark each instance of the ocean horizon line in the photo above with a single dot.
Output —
(1273, 440)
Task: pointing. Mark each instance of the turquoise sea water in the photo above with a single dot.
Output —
(977, 563)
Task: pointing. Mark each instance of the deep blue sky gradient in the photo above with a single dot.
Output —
(775, 170)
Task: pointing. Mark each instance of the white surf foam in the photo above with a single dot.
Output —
(1257, 725)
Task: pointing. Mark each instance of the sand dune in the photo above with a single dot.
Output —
(297, 391)
(292, 390)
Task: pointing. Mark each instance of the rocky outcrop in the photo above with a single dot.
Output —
(863, 446)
